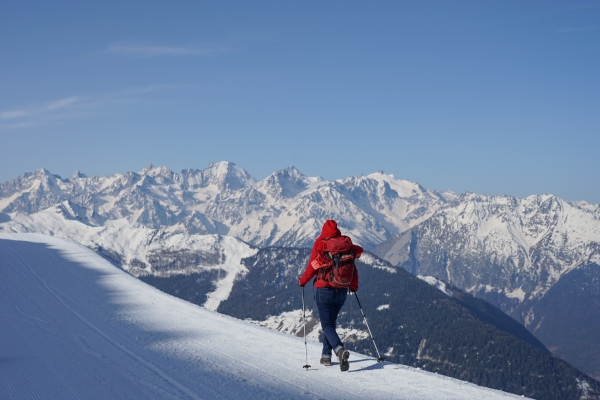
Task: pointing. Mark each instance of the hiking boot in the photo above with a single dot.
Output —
(326, 361)
(343, 355)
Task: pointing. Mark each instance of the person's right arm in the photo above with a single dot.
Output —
(309, 273)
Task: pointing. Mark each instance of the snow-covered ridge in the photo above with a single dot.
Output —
(510, 251)
(71, 322)
(539, 238)
(375, 262)
(433, 281)
(285, 209)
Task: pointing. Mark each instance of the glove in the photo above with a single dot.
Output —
(300, 284)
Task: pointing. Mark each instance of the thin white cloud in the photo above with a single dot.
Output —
(157, 51)
(62, 103)
(582, 6)
(21, 125)
(13, 114)
(73, 107)
(33, 113)
(233, 42)
(568, 30)
(148, 89)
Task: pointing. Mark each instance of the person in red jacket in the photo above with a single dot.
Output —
(329, 299)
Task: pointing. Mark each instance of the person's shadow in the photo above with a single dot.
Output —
(374, 366)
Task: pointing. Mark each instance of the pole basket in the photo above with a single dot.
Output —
(306, 366)
(381, 359)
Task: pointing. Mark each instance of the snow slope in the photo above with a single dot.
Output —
(74, 326)
(142, 250)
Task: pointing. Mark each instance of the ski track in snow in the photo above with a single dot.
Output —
(73, 326)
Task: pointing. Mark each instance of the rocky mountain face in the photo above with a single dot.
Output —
(513, 253)
(567, 318)
(284, 209)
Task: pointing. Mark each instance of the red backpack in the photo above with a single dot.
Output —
(338, 257)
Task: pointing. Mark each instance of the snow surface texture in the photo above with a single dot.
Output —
(72, 326)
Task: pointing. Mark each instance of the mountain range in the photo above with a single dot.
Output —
(522, 255)
(284, 209)
(517, 254)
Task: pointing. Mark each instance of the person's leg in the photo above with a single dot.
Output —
(327, 347)
(327, 315)
(339, 297)
(338, 300)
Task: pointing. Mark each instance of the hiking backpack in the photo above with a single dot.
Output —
(338, 256)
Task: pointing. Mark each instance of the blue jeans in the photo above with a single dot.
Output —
(329, 304)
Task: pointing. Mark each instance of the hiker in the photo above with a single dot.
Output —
(331, 290)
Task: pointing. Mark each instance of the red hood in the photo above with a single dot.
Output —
(329, 229)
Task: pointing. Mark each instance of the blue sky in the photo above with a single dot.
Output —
(492, 97)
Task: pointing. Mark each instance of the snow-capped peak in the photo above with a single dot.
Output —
(292, 171)
(77, 175)
(286, 182)
(162, 175)
(149, 167)
(382, 174)
(227, 176)
(41, 172)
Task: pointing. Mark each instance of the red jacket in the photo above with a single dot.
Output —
(330, 229)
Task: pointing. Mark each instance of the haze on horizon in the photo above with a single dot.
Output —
(497, 98)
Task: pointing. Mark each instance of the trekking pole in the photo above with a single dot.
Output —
(304, 321)
(379, 358)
